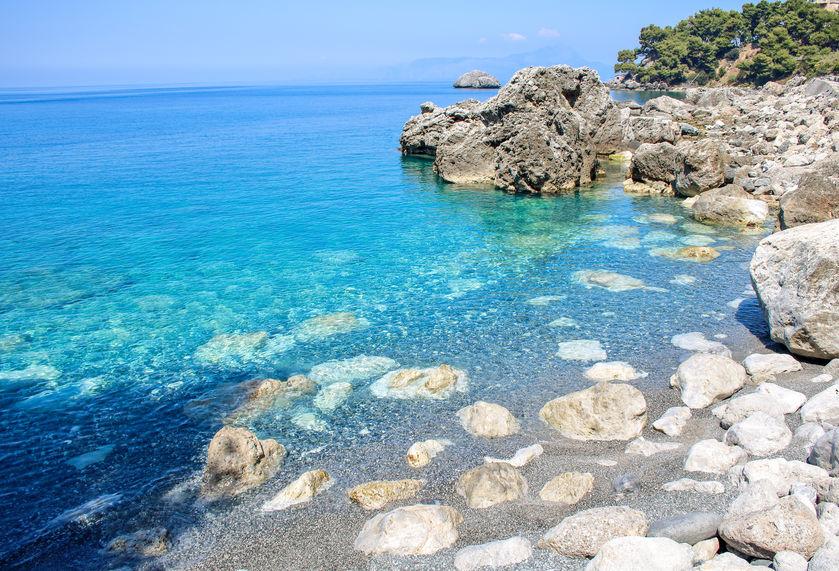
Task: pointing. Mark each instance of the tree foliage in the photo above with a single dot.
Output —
(787, 37)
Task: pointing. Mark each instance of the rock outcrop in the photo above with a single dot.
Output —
(795, 274)
(540, 134)
(817, 197)
(476, 79)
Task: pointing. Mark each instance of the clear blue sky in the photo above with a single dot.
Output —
(83, 42)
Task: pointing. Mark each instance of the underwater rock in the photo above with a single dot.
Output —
(332, 396)
(544, 299)
(266, 394)
(613, 371)
(683, 279)
(432, 383)
(377, 494)
(488, 420)
(237, 461)
(411, 530)
(300, 491)
(353, 369)
(611, 281)
(491, 484)
(82, 461)
(581, 350)
(695, 341)
(326, 326)
(606, 411)
(31, 373)
(420, 454)
(705, 378)
(568, 488)
(476, 79)
(309, 421)
(564, 322)
(231, 349)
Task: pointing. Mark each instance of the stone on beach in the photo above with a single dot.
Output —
(325, 326)
(647, 448)
(411, 530)
(431, 383)
(713, 457)
(613, 371)
(300, 491)
(491, 484)
(705, 550)
(789, 400)
(421, 453)
(827, 557)
(501, 553)
(705, 378)
(237, 461)
(377, 494)
(581, 350)
(760, 434)
(780, 474)
(568, 488)
(332, 396)
(607, 280)
(825, 452)
(741, 407)
(765, 366)
(606, 411)
(822, 407)
(690, 485)
(144, 543)
(488, 420)
(673, 421)
(584, 533)
(352, 369)
(789, 561)
(730, 205)
(696, 342)
(647, 553)
(309, 421)
(690, 528)
(795, 274)
(522, 457)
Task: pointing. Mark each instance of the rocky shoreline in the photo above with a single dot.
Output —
(732, 467)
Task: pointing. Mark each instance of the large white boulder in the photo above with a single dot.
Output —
(673, 421)
(796, 276)
(584, 533)
(647, 553)
(741, 407)
(822, 407)
(713, 457)
(607, 411)
(760, 434)
(762, 366)
(704, 379)
(501, 553)
(412, 530)
(488, 420)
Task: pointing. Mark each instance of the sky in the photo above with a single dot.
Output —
(211, 42)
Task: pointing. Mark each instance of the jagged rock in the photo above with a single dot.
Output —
(713, 456)
(584, 533)
(822, 407)
(568, 488)
(377, 494)
(613, 371)
(644, 129)
(432, 383)
(690, 528)
(828, 518)
(501, 553)
(741, 407)
(730, 205)
(300, 491)
(476, 79)
(807, 435)
(607, 411)
(702, 167)
(795, 274)
(420, 454)
(817, 197)
(669, 106)
(491, 484)
(765, 366)
(648, 553)
(673, 421)
(705, 378)
(412, 530)
(647, 448)
(689, 485)
(760, 434)
(237, 461)
(825, 452)
(488, 420)
(727, 562)
(789, 525)
(539, 134)
(145, 543)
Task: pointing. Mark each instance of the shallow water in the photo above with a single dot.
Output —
(138, 226)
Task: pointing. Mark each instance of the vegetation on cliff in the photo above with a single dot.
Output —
(763, 42)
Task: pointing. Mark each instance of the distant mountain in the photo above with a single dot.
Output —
(449, 69)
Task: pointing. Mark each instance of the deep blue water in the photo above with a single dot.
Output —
(137, 225)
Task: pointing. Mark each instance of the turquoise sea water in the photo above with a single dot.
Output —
(136, 226)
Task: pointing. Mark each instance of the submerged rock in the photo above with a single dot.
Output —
(706, 378)
(501, 553)
(145, 543)
(795, 274)
(412, 530)
(353, 369)
(31, 373)
(420, 454)
(326, 326)
(568, 488)
(266, 394)
(237, 461)
(376, 495)
(584, 533)
(488, 420)
(476, 79)
(613, 371)
(332, 396)
(300, 491)
(432, 383)
(696, 341)
(309, 421)
(232, 349)
(647, 448)
(611, 281)
(581, 350)
(491, 484)
(607, 411)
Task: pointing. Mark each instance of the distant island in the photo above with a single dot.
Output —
(766, 41)
(477, 79)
